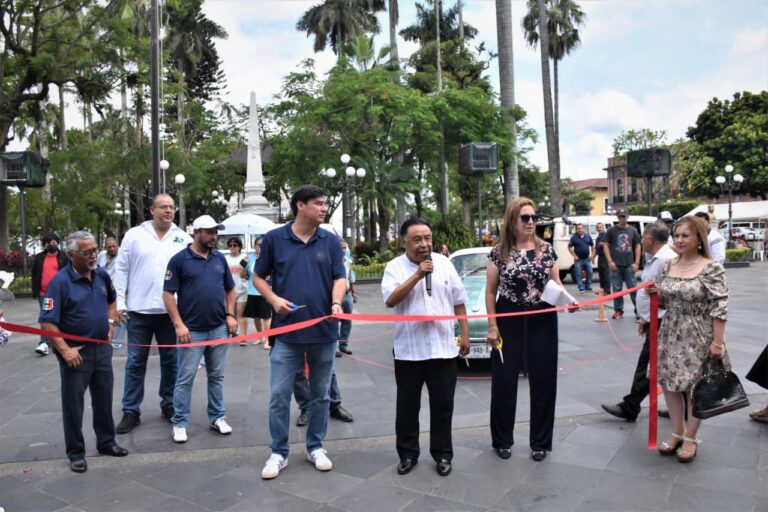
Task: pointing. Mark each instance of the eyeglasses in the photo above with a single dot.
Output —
(166, 207)
(89, 252)
(232, 245)
(528, 218)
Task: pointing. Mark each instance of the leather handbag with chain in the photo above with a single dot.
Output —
(718, 391)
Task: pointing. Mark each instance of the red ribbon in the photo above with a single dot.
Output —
(652, 373)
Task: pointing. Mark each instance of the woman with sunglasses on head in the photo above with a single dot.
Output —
(519, 267)
(235, 262)
(694, 293)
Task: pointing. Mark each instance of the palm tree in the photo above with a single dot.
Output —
(546, 84)
(507, 86)
(564, 18)
(394, 19)
(336, 22)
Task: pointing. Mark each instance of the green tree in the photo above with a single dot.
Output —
(734, 132)
(644, 138)
(337, 22)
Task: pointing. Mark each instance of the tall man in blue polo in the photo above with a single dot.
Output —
(308, 281)
(203, 310)
(582, 249)
(80, 300)
(140, 269)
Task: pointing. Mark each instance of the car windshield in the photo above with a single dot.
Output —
(470, 263)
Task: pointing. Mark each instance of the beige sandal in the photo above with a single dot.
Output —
(670, 448)
(687, 456)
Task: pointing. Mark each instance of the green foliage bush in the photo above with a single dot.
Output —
(738, 254)
(21, 284)
(676, 208)
(453, 232)
(373, 271)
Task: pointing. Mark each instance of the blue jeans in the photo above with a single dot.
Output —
(285, 361)
(301, 391)
(583, 265)
(141, 328)
(623, 274)
(43, 339)
(345, 326)
(188, 360)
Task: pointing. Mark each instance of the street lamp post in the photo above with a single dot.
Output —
(729, 183)
(179, 179)
(346, 197)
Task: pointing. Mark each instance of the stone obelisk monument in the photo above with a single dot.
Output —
(254, 201)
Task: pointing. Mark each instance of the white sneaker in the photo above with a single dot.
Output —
(179, 434)
(221, 426)
(318, 458)
(42, 349)
(272, 468)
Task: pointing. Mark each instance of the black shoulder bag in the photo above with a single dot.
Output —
(718, 391)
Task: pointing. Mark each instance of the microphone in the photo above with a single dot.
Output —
(428, 277)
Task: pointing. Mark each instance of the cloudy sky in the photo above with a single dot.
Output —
(642, 64)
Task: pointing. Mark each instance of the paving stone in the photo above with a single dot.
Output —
(269, 500)
(713, 476)
(303, 480)
(375, 498)
(684, 498)
(20, 497)
(129, 497)
(600, 435)
(528, 498)
(77, 488)
(221, 493)
(479, 490)
(363, 464)
(438, 504)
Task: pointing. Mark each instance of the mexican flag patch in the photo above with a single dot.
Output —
(168, 275)
(47, 304)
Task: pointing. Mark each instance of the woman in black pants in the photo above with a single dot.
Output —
(519, 268)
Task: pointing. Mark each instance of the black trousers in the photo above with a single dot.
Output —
(529, 341)
(604, 273)
(95, 374)
(639, 389)
(440, 377)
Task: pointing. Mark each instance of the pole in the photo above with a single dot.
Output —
(650, 194)
(347, 210)
(23, 212)
(155, 99)
(479, 213)
(730, 213)
(182, 210)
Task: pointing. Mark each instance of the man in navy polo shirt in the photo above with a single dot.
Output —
(204, 310)
(80, 300)
(582, 249)
(308, 281)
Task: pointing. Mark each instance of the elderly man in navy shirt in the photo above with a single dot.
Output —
(199, 276)
(80, 300)
(308, 281)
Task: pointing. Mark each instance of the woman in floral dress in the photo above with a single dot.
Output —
(519, 268)
(694, 292)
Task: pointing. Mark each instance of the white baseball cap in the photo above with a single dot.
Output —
(666, 216)
(206, 222)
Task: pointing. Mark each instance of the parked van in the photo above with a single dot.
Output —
(558, 232)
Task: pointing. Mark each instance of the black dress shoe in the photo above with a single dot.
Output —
(342, 414)
(303, 419)
(338, 353)
(114, 451)
(619, 411)
(504, 453)
(345, 349)
(663, 413)
(168, 413)
(406, 465)
(538, 455)
(130, 421)
(444, 467)
(78, 466)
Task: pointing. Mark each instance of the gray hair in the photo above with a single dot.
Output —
(71, 243)
(658, 231)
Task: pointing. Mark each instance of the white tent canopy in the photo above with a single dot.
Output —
(247, 224)
(742, 212)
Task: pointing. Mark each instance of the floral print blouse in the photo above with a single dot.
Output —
(524, 275)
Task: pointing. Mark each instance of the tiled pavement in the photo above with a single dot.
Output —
(598, 463)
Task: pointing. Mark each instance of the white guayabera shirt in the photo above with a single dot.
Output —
(419, 341)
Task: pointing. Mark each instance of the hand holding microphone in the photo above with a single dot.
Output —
(428, 276)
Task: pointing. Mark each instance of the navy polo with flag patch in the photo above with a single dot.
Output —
(78, 305)
(201, 286)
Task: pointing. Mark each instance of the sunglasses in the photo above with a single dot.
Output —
(232, 245)
(528, 218)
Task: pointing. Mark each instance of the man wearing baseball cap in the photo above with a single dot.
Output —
(204, 310)
(622, 249)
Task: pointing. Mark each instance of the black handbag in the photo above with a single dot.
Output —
(717, 392)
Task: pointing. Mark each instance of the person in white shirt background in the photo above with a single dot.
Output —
(139, 277)
(716, 241)
(421, 282)
(236, 262)
(106, 260)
